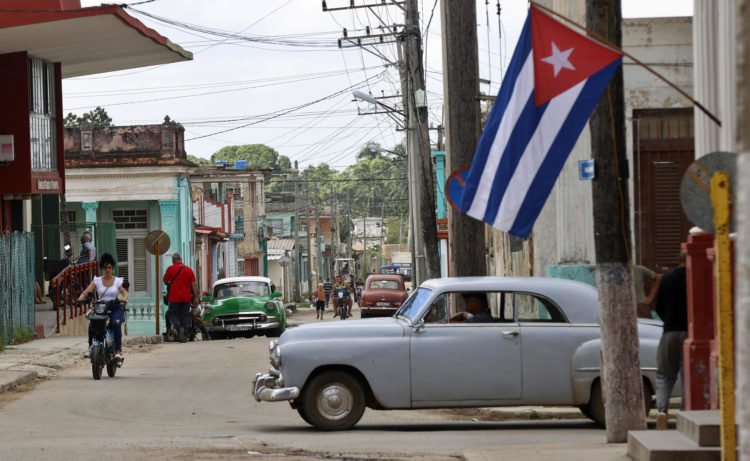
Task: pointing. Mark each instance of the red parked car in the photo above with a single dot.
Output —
(382, 296)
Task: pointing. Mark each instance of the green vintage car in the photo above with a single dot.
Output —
(243, 306)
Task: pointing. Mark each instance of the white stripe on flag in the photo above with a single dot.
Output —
(521, 93)
(546, 131)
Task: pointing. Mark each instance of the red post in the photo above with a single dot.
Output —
(701, 322)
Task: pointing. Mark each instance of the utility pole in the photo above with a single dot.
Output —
(621, 372)
(334, 231)
(382, 227)
(365, 255)
(463, 126)
(309, 244)
(297, 256)
(400, 229)
(318, 255)
(420, 161)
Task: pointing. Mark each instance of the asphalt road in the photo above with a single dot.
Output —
(193, 401)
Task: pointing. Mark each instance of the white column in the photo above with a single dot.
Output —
(742, 267)
(727, 78)
(705, 37)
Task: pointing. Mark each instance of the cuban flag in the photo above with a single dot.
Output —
(554, 81)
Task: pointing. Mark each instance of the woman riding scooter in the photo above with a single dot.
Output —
(107, 288)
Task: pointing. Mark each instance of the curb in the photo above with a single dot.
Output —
(138, 340)
(22, 377)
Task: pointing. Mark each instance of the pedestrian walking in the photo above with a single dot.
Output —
(328, 288)
(646, 285)
(182, 293)
(671, 305)
(319, 300)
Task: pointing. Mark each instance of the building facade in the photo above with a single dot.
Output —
(136, 177)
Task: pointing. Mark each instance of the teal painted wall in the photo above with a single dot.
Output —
(581, 273)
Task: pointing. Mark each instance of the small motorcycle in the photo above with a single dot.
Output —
(103, 344)
(191, 333)
(343, 312)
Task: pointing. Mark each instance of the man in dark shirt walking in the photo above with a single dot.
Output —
(327, 289)
(671, 305)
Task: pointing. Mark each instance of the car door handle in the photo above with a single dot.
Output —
(510, 333)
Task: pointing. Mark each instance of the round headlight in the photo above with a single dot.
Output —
(270, 306)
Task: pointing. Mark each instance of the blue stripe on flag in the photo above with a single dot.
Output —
(514, 150)
(523, 48)
(560, 150)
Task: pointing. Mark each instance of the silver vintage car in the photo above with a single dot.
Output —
(540, 347)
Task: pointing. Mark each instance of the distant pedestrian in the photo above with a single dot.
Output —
(671, 305)
(328, 288)
(646, 284)
(88, 251)
(182, 293)
(319, 300)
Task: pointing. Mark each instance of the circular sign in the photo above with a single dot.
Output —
(154, 237)
(695, 189)
(284, 260)
(454, 187)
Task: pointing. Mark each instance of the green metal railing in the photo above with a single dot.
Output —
(17, 256)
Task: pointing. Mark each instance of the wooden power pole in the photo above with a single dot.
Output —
(463, 126)
(420, 162)
(621, 372)
(297, 254)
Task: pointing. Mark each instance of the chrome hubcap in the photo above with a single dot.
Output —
(335, 401)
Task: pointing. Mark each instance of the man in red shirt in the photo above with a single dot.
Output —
(183, 292)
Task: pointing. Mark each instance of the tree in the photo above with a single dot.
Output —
(198, 160)
(257, 155)
(395, 229)
(95, 118)
(284, 162)
(621, 377)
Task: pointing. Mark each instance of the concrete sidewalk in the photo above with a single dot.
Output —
(567, 452)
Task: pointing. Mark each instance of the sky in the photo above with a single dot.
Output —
(271, 72)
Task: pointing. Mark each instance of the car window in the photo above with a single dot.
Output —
(225, 291)
(228, 290)
(384, 284)
(414, 304)
(253, 288)
(501, 304)
(439, 311)
(533, 308)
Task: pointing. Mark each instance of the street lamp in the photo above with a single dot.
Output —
(390, 110)
(376, 148)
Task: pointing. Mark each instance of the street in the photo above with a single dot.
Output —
(193, 401)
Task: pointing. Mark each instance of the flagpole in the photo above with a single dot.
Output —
(625, 53)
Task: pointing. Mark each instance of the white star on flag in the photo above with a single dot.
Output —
(559, 59)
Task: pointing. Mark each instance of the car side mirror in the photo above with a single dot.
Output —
(419, 326)
(276, 294)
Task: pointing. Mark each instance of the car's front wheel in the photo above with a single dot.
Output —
(333, 401)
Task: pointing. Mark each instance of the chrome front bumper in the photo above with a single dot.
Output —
(223, 327)
(268, 388)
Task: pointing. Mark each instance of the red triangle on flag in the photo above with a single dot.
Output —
(562, 57)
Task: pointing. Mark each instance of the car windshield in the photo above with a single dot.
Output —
(228, 290)
(384, 285)
(414, 304)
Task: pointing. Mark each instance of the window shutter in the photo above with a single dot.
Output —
(140, 266)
